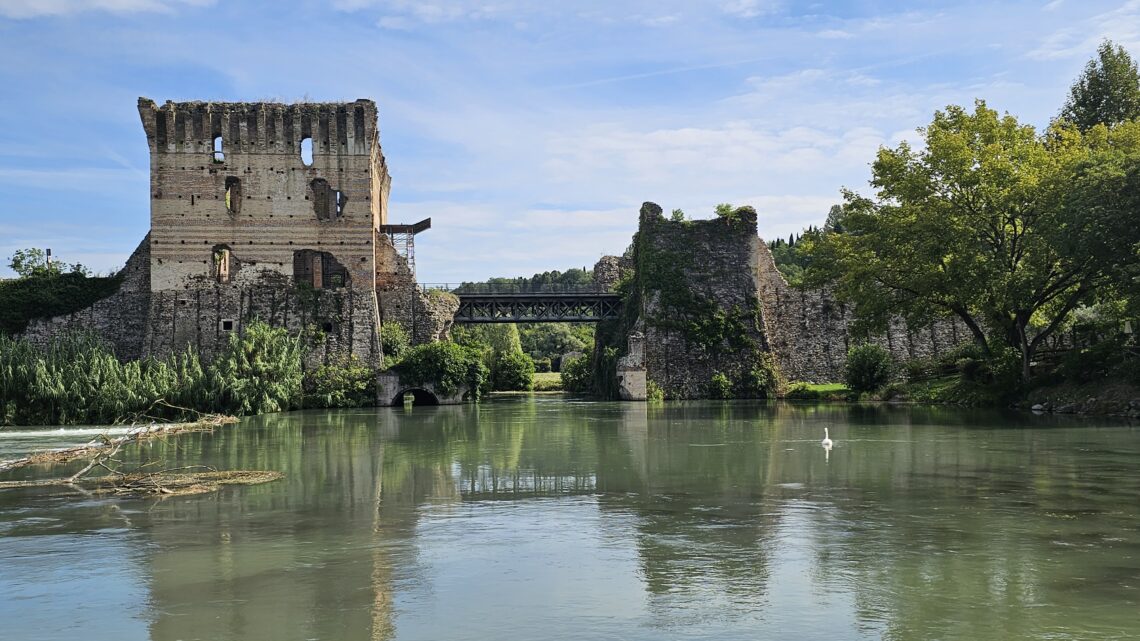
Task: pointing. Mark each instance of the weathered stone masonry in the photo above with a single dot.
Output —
(261, 211)
(240, 220)
(690, 272)
(807, 331)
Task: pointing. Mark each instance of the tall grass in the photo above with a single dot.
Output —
(76, 379)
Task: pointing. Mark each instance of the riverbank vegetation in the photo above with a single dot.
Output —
(76, 379)
(449, 366)
(1028, 237)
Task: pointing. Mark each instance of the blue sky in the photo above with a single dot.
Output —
(529, 131)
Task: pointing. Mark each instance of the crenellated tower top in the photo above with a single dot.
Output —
(217, 128)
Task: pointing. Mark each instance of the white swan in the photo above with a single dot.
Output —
(826, 442)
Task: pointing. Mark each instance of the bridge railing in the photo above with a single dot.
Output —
(515, 288)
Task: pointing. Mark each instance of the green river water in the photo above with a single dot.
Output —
(535, 518)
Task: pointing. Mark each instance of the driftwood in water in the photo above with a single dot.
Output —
(103, 444)
(165, 482)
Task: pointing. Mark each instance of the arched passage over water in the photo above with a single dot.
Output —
(420, 396)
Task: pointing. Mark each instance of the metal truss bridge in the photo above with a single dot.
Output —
(526, 303)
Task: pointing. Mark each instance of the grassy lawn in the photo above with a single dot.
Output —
(547, 382)
(828, 387)
(816, 391)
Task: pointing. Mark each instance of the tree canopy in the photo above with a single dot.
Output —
(990, 222)
(1107, 92)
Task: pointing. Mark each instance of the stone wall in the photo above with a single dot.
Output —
(120, 319)
(340, 321)
(609, 270)
(694, 272)
(426, 316)
(726, 265)
(241, 213)
(809, 331)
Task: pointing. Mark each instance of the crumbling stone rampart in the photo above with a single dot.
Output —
(721, 274)
(120, 318)
(697, 312)
(809, 331)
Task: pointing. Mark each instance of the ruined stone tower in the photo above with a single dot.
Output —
(264, 210)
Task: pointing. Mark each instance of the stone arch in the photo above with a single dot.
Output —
(422, 396)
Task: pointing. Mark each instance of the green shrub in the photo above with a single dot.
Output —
(547, 382)
(258, 371)
(542, 365)
(1093, 363)
(447, 366)
(653, 391)
(395, 342)
(347, 382)
(920, 369)
(76, 379)
(719, 386)
(868, 368)
(763, 380)
(576, 375)
(802, 392)
(513, 372)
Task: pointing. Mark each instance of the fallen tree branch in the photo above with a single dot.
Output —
(176, 481)
(102, 444)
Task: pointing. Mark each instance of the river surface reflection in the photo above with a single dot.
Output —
(546, 518)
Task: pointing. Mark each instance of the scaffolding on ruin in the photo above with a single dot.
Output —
(403, 238)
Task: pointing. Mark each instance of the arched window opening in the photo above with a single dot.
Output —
(222, 264)
(233, 194)
(307, 152)
(219, 155)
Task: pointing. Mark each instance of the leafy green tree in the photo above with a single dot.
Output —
(1107, 92)
(552, 340)
(28, 263)
(678, 216)
(1007, 230)
(834, 222)
(576, 375)
(345, 382)
(501, 351)
(446, 365)
(513, 372)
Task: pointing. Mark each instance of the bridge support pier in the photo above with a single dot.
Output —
(633, 384)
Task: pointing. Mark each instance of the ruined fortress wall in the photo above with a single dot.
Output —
(280, 221)
(338, 322)
(809, 331)
(426, 316)
(120, 319)
(714, 260)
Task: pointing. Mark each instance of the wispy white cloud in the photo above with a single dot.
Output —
(39, 8)
(531, 148)
(1121, 24)
(748, 8)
